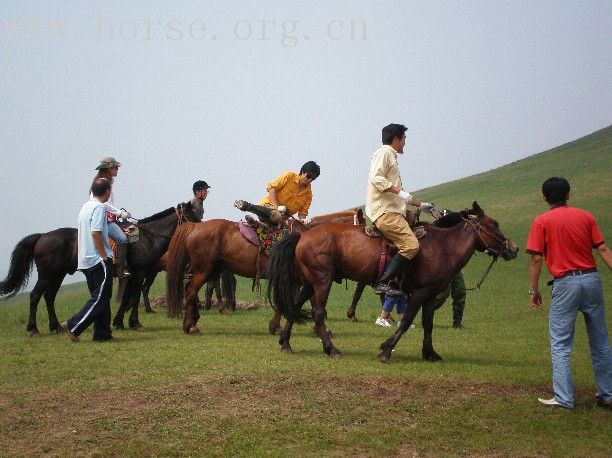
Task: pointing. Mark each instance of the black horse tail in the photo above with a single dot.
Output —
(21, 267)
(283, 279)
(177, 260)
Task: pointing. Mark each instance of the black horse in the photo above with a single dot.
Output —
(55, 256)
(144, 258)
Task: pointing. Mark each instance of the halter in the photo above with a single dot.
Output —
(478, 228)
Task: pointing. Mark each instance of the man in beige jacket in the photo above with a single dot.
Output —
(386, 204)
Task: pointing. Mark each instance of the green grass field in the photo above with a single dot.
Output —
(230, 391)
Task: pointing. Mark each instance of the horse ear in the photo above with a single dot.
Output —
(477, 210)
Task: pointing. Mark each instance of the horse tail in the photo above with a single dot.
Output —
(177, 260)
(282, 284)
(20, 268)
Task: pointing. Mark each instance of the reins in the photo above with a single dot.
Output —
(477, 226)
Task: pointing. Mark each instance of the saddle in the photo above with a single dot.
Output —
(260, 234)
(387, 245)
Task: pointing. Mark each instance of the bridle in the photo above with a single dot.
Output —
(479, 228)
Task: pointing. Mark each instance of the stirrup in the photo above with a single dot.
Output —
(385, 288)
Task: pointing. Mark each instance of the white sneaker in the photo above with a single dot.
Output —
(382, 322)
(551, 402)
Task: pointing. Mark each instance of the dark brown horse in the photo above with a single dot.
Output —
(55, 255)
(310, 262)
(216, 245)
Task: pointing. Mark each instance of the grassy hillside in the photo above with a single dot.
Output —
(230, 391)
(512, 193)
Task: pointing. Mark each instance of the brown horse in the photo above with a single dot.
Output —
(213, 246)
(331, 252)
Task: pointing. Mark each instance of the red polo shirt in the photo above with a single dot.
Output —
(566, 237)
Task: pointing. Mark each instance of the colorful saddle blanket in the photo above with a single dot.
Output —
(262, 236)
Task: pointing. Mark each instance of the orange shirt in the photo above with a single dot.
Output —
(288, 193)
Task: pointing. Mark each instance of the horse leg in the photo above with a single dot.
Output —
(274, 326)
(388, 345)
(350, 312)
(285, 335)
(35, 296)
(118, 319)
(192, 315)
(51, 292)
(133, 298)
(228, 282)
(219, 294)
(210, 286)
(146, 287)
(428, 351)
(321, 292)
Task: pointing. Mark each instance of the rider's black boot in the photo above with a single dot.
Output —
(395, 265)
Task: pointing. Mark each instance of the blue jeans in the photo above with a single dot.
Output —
(571, 294)
(115, 233)
(400, 301)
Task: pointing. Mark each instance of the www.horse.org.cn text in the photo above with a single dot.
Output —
(107, 28)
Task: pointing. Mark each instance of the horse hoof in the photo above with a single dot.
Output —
(432, 357)
(150, 311)
(194, 330)
(335, 353)
(35, 333)
(138, 328)
(384, 357)
(287, 350)
(119, 326)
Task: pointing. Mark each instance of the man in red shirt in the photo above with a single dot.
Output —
(565, 237)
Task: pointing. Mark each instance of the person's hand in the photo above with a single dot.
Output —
(124, 214)
(281, 208)
(306, 220)
(405, 196)
(426, 207)
(535, 298)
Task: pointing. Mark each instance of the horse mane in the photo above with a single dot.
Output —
(450, 219)
(157, 216)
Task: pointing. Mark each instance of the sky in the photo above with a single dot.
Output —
(236, 93)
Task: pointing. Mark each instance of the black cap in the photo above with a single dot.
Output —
(200, 184)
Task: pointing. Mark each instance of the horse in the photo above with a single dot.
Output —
(213, 246)
(55, 255)
(305, 265)
(144, 258)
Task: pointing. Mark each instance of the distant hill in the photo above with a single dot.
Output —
(512, 193)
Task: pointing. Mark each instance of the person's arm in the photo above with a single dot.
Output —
(272, 197)
(535, 267)
(97, 236)
(605, 254)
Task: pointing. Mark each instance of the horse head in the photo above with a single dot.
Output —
(492, 240)
(185, 212)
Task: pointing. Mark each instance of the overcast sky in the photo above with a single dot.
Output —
(237, 92)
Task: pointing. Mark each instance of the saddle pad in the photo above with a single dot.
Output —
(248, 233)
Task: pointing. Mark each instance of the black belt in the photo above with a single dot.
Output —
(573, 273)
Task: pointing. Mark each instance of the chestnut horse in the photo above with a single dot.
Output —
(213, 246)
(331, 252)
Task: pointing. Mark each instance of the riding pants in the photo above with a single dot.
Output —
(395, 227)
